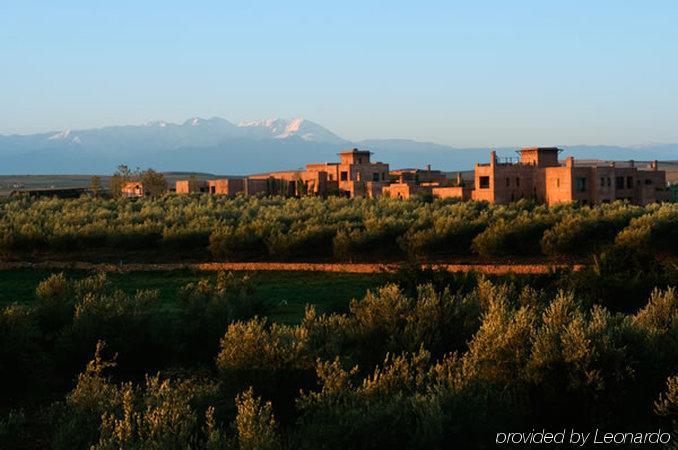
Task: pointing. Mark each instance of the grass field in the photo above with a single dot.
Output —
(287, 293)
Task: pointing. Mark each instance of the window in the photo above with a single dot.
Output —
(609, 181)
(648, 181)
(375, 176)
(517, 181)
(619, 182)
(557, 182)
(602, 181)
(629, 182)
(484, 182)
(330, 177)
(508, 182)
(344, 176)
(580, 184)
(360, 160)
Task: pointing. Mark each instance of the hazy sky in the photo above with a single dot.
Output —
(466, 73)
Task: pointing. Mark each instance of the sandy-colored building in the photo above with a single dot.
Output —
(411, 182)
(405, 190)
(539, 175)
(355, 175)
(225, 186)
(188, 187)
(418, 176)
(458, 192)
(133, 189)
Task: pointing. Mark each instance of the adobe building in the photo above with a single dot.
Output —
(225, 186)
(133, 189)
(459, 192)
(186, 187)
(539, 175)
(412, 182)
(418, 176)
(355, 175)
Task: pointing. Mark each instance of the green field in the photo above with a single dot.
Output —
(287, 293)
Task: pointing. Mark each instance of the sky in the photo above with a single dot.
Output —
(463, 73)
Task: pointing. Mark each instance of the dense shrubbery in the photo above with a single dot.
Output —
(439, 365)
(346, 229)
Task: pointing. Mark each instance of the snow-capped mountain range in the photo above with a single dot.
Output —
(216, 145)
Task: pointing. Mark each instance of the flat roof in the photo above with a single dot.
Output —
(355, 150)
(540, 149)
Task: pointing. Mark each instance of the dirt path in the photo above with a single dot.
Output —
(497, 269)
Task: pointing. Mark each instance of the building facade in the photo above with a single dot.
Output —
(539, 175)
(355, 175)
(188, 187)
(133, 189)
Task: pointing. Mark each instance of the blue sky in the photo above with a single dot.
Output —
(481, 73)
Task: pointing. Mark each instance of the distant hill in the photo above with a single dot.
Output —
(218, 146)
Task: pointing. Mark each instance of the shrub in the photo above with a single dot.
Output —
(589, 231)
(518, 236)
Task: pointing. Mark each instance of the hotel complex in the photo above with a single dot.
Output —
(537, 174)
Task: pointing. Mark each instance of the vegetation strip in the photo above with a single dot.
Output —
(497, 269)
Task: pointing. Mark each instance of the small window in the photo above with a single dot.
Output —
(602, 181)
(609, 181)
(557, 182)
(580, 183)
(648, 181)
(629, 182)
(517, 181)
(619, 182)
(331, 177)
(344, 176)
(508, 182)
(375, 176)
(484, 182)
(360, 160)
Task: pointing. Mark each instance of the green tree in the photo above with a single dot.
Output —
(95, 185)
(193, 183)
(154, 182)
(122, 175)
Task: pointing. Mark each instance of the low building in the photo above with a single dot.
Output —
(226, 186)
(459, 192)
(191, 187)
(418, 176)
(407, 190)
(132, 189)
(355, 175)
(539, 175)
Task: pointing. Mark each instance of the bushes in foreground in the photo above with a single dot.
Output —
(430, 367)
(537, 365)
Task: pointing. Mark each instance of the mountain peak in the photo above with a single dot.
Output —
(194, 121)
(287, 128)
(60, 136)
